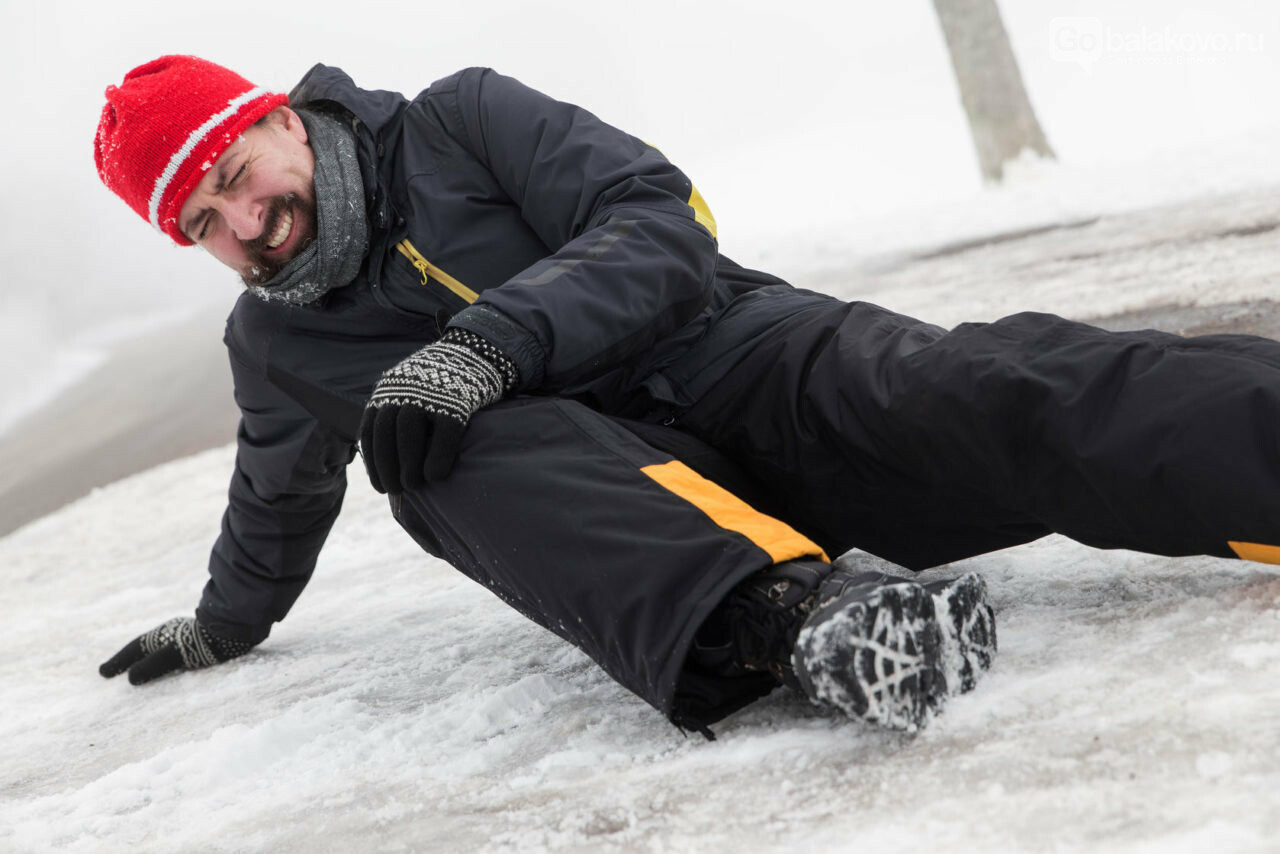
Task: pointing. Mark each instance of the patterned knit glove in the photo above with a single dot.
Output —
(180, 644)
(413, 424)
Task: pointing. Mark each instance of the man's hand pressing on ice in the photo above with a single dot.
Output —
(180, 644)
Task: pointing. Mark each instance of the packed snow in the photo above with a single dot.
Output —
(1134, 705)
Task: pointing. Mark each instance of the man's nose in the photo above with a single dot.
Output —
(245, 218)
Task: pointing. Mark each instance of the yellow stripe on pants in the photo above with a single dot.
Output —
(778, 539)
(1256, 551)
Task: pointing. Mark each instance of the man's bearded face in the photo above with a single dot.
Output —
(254, 210)
(286, 214)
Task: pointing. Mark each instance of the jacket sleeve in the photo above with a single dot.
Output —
(286, 491)
(633, 244)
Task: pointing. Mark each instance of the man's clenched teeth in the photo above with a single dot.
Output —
(282, 230)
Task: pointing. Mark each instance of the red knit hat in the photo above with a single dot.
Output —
(166, 125)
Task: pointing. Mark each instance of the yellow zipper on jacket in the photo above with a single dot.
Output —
(429, 270)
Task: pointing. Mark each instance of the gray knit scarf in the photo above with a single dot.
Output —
(342, 229)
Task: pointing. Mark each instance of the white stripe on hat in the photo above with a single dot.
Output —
(180, 156)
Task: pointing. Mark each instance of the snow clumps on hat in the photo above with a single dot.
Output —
(166, 125)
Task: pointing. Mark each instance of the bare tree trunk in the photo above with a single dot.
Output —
(1000, 114)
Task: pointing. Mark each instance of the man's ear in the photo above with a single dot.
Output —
(286, 120)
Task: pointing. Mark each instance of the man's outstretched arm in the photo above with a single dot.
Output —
(286, 492)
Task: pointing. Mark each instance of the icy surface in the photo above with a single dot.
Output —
(1134, 705)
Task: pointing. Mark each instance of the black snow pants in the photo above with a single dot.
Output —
(847, 425)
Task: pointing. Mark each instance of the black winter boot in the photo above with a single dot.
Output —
(754, 629)
(872, 647)
(968, 629)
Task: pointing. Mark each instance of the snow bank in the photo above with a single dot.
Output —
(28, 388)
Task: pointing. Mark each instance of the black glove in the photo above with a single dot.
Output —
(183, 643)
(413, 424)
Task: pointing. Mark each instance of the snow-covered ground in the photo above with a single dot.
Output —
(1135, 705)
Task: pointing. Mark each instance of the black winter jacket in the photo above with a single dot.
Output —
(579, 250)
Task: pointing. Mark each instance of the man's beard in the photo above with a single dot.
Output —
(263, 269)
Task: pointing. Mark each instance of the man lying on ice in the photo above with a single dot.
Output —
(520, 316)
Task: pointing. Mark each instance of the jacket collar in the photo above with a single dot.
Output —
(375, 108)
(377, 111)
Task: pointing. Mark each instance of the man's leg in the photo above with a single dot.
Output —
(925, 446)
(604, 540)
